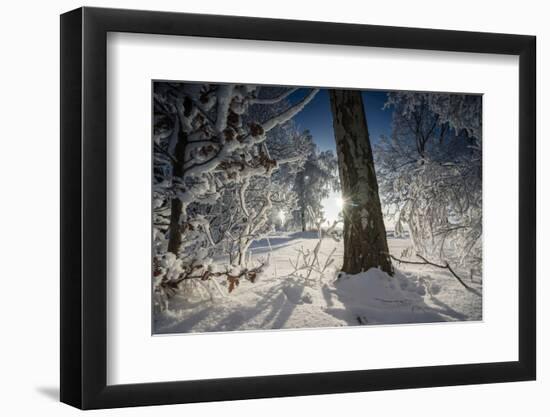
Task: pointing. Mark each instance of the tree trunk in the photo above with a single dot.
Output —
(365, 244)
(174, 240)
(300, 182)
(176, 206)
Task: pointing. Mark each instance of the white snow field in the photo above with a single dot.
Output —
(279, 300)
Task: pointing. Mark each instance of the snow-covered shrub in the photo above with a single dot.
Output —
(316, 177)
(430, 174)
(214, 185)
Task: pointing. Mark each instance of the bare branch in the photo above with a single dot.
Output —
(426, 262)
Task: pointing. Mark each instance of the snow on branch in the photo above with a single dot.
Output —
(289, 113)
(273, 100)
(224, 101)
(169, 286)
(290, 160)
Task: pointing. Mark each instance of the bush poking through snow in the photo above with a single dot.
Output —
(308, 264)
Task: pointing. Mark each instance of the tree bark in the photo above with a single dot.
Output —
(174, 240)
(365, 244)
(176, 206)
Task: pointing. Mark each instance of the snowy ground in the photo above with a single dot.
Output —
(416, 294)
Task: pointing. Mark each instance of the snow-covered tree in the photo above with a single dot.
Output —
(430, 173)
(313, 182)
(209, 149)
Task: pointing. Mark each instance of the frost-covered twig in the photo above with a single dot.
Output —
(231, 274)
(310, 258)
(426, 262)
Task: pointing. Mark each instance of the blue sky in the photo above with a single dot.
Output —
(317, 118)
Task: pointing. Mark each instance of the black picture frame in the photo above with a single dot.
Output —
(84, 207)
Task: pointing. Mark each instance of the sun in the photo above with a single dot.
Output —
(332, 206)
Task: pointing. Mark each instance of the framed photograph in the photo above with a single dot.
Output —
(256, 208)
